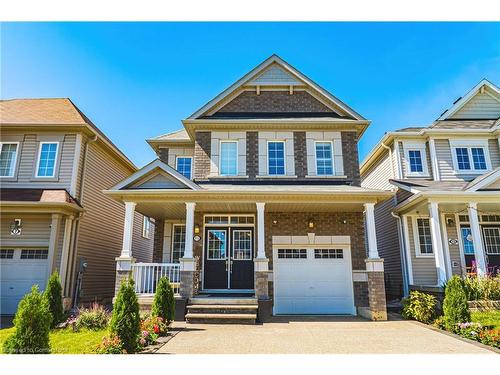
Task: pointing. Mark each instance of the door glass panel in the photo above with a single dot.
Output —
(217, 244)
(467, 240)
(492, 240)
(242, 245)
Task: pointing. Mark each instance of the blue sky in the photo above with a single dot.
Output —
(138, 80)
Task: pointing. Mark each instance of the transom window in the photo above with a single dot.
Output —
(424, 236)
(492, 240)
(415, 159)
(292, 253)
(328, 253)
(47, 159)
(470, 158)
(229, 219)
(324, 158)
(178, 242)
(229, 158)
(276, 158)
(467, 240)
(34, 254)
(8, 157)
(184, 166)
(242, 244)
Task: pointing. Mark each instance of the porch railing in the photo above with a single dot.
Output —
(147, 275)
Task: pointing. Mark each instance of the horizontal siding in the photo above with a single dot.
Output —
(424, 269)
(35, 231)
(481, 106)
(101, 227)
(453, 248)
(377, 177)
(494, 153)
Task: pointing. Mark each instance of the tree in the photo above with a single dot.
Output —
(125, 321)
(53, 295)
(164, 301)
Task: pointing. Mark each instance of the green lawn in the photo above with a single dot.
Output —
(65, 341)
(487, 318)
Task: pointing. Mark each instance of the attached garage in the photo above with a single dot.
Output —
(19, 270)
(313, 279)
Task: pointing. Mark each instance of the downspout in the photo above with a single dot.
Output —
(402, 250)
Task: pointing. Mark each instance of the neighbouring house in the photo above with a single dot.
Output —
(444, 216)
(54, 166)
(258, 200)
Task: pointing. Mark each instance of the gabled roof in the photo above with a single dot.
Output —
(150, 168)
(292, 77)
(484, 180)
(481, 87)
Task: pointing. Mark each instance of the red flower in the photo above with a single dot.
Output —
(156, 328)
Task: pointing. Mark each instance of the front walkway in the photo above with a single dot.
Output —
(315, 335)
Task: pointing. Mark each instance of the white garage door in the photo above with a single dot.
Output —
(19, 270)
(313, 280)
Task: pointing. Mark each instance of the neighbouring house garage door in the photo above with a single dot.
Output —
(313, 280)
(19, 270)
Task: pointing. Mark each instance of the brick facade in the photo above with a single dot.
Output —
(252, 154)
(158, 241)
(376, 296)
(274, 101)
(202, 146)
(350, 156)
(300, 150)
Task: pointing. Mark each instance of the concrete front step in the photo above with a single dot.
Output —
(225, 318)
(222, 309)
(199, 300)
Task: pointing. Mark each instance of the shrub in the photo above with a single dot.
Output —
(455, 307)
(110, 345)
(96, 317)
(164, 302)
(419, 306)
(125, 321)
(53, 295)
(32, 323)
(482, 288)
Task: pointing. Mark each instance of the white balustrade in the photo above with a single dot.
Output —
(147, 275)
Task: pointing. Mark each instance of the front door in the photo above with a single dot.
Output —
(228, 258)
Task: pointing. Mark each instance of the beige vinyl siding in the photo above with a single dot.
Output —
(405, 166)
(378, 175)
(494, 186)
(101, 227)
(423, 268)
(481, 106)
(81, 163)
(388, 247)
(28, 154)
(35, 230)
(494, 153)
(453, 248)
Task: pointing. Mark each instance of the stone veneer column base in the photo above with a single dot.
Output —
(261, 285)
(187, 279)
(123, 271)
(377, 309)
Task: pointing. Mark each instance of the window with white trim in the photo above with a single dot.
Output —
(492, 240)
(292, 253)
(8, 158)
(228, 158)
(324, 158)
(416, 159)
(47, 156)
(424, 239)
(184, 166)
(470, 156)
(328, 253)
(178, 242)
(276, 158)
(146, 227)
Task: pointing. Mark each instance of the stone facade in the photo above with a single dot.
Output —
(274, 102)
(300, 150)
(163, 154)
(361, 294)
(261, 285)
(121, 276)
(187, 284)
(350, 156)
(202, 151)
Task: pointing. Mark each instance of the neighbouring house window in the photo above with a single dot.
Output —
(471, 159)
(492, 240)
(467, 240)
(146, 227)
(324, 158)
(415, 159)
(228, 158)
(276, 158)
(47, 159)
(178, 242)
(8, 157)
(424, 236)
(184, 166)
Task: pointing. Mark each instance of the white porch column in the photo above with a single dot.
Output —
(128, 230)
(476, 239)
(261, 261)
(54, 235)
(437, 243)
(188, 250)
(370, 231)
(63, 267)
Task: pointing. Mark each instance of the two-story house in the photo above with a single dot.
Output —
(259, 196)
(54, 165)
(444, 217)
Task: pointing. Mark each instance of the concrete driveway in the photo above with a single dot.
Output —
(315, 335)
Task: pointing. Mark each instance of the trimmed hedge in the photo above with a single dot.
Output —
(164, 301)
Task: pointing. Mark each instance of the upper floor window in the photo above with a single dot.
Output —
(184, 166)
(47, 157)
(415, 159)
(8, 157)
(276, 158)
(228, 158)
(470, 156)
(324, 159)
(146, 227)
(423, 239)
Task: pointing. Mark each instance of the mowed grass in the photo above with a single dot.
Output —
(487, 318)
(65, 341)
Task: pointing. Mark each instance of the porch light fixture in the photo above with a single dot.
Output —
(196, 229)
(310, 224)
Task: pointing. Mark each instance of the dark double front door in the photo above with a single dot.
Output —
(228, 258)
